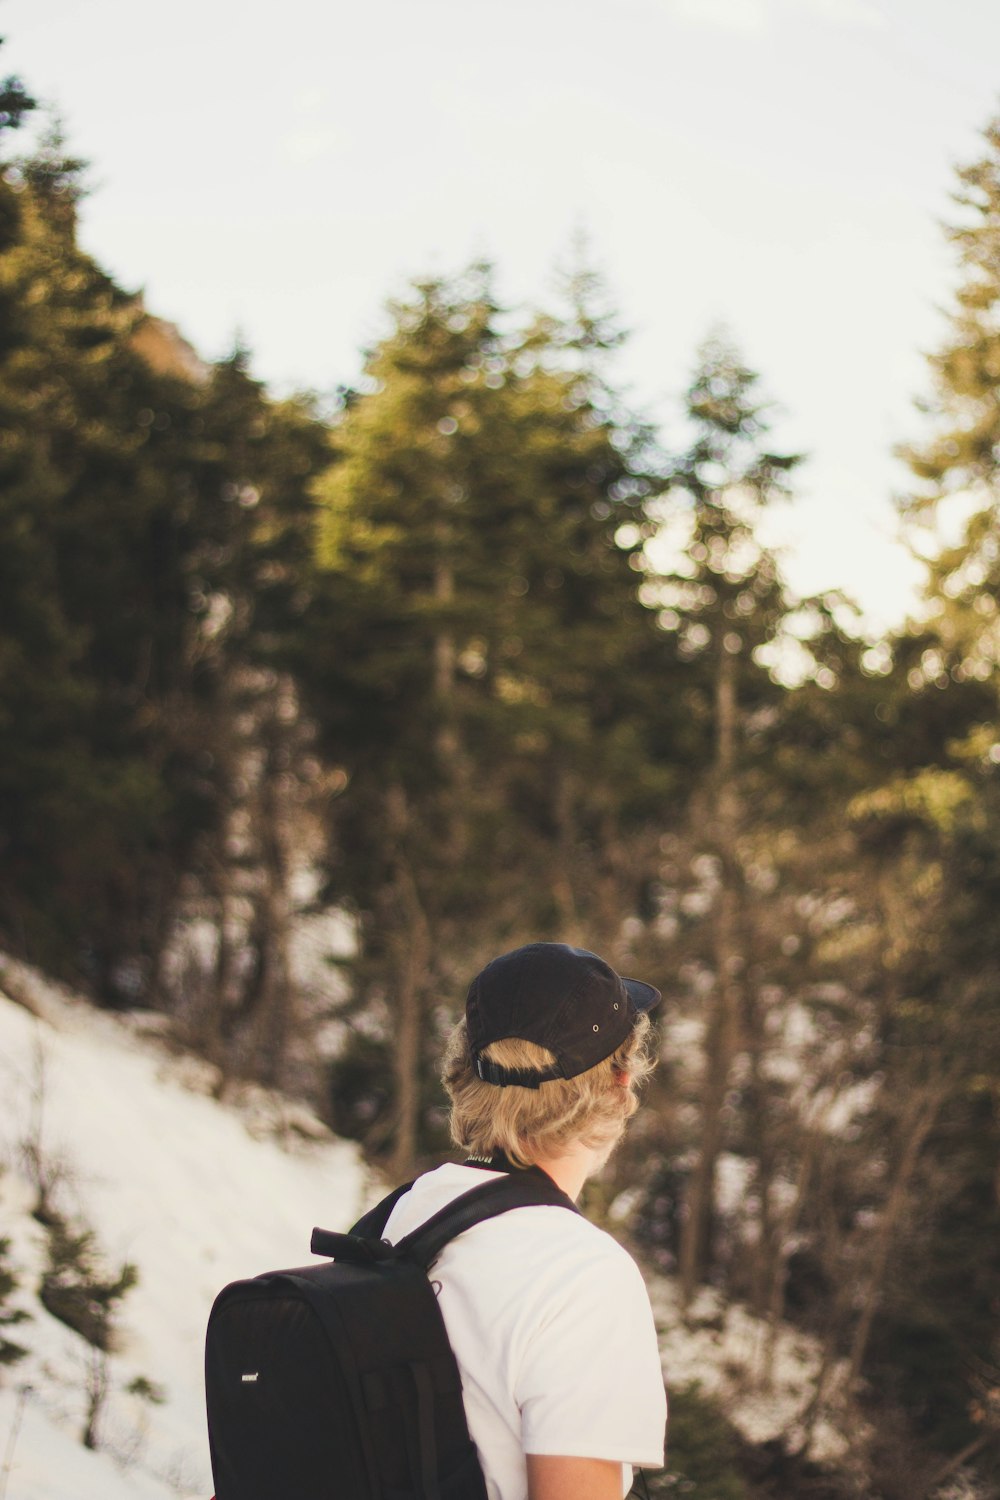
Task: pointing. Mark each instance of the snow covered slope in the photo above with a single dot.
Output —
(197, 1194)
(194, 1193)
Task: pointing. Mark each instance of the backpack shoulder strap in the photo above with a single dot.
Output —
(485, 1201)
(371, 1224)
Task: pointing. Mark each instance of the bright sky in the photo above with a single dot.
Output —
(779, 165)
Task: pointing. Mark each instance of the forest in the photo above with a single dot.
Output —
(427, 667)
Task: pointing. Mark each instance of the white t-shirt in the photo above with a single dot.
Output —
(552, 1329)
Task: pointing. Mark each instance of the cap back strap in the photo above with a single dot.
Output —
(522, 1078)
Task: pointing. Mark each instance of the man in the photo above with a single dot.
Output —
(548, 1316)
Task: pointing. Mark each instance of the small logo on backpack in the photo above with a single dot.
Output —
(249, 1379)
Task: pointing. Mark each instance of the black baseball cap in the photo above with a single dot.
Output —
(566, 999)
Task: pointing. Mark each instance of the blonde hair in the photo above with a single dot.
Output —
(527, 1124)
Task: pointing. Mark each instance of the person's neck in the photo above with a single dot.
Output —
(571, 1168)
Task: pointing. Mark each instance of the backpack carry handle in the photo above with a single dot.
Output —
(349, 1247)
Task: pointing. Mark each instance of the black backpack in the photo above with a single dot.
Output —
(337, 1381)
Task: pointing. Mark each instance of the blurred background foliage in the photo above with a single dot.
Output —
(473, 657)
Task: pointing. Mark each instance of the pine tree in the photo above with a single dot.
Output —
(238, 729)
(93, 595)
(481, 614)
(10, 1352)
(15, 102)
(934, 828)
(725, 605)
(588, 677)
(405, 579)
(962, 457)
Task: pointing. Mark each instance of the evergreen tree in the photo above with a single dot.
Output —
(405, 573)
(155, 537)
(725, 605)
(482, 616)
(92, 597)
(590, 680)
(15, 105)
(237, 725)
(933, 828)
(961, 456)
(10, 1352)
(15, 102)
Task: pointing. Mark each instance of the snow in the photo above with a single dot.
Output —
(197, 1193)
(762, 1378)
(194, 1192)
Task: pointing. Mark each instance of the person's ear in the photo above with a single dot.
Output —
(622, 1076)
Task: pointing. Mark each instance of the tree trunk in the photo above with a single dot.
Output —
(723, 1034)
(613, 897)
(778, 1270)
(97, 1390)
(446, 738)
(215, 1021)
(564, 852)
(451, 757)
(410, 948)
(918, 1123)
(272, 1001)
(929, 1486)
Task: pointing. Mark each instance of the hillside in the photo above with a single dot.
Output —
(125, 1137)
(193, 1192)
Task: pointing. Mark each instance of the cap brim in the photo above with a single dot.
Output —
(643, 996)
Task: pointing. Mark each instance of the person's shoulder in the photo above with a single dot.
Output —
(593, 1264)
(546, 1239)
(557, 1221)
(540, 1239)
(598, 1245)
(431, 1192)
